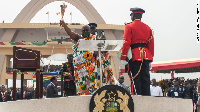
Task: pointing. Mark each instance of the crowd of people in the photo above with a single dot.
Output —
(184, 84)
(176, 88)
(46, 68)
(6, 93)
(51, 68)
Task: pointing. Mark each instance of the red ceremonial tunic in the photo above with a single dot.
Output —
(138, 32)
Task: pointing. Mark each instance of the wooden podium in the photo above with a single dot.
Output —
(27, 60)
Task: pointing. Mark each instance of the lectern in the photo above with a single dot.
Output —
(100, 45)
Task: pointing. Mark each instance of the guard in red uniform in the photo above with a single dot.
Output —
(139, 37)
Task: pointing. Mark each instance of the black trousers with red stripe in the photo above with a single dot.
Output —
(142, 81)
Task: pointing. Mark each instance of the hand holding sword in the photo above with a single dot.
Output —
(63, 7)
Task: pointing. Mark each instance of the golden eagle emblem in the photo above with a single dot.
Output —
(111, 98)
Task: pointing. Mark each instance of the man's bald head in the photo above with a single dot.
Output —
(85, 26)
(70, 57)
(121, 79)
(85, 31)
(154, 82)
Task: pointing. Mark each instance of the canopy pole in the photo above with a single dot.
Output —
(172, 74)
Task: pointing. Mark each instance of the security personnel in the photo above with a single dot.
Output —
(176, 91)
(68, 72)
(139, 37)
(93, 29)
(99, 34)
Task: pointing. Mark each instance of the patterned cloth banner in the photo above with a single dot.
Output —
(66, 40)
(46, 78)
(51, 40)
(23, 43)
(33, 43)
(11, 73)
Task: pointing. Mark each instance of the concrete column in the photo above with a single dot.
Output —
(115, 66)
(2, 69)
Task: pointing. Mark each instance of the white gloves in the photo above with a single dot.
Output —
(123, 62)
(150, 66)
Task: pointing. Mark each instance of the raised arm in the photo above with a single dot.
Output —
(72, 35)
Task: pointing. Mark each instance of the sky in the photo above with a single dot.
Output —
(173, 21)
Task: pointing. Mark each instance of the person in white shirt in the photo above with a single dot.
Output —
(59, 90)
(120, 83)
(155, 90)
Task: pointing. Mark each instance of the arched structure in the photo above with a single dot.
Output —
(31, 9)
(85, 7)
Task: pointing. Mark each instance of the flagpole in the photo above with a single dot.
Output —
(47, 35)
(48, 17)
(71, 17)
(48, 25)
